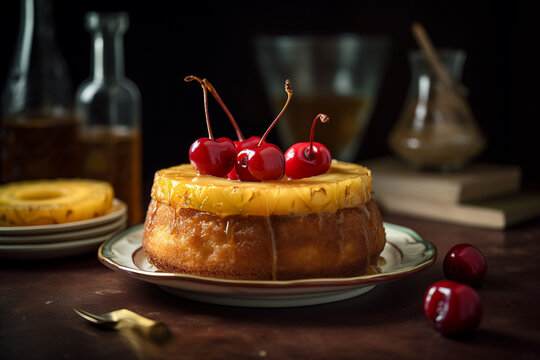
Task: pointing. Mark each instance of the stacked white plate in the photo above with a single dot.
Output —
(62, 240)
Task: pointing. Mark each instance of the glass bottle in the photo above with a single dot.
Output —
(109, 108)
(38, 132)
(436, 129)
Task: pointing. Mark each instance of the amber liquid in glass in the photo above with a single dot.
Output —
(113, 154)
(442, 140)
(348, 122)
(38, 148)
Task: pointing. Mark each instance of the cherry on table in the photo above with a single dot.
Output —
(307, 159)
(452, 307)
(465, 263)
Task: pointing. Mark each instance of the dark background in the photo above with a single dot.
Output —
(168, 40)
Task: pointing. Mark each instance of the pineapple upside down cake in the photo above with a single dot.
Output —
(321, 226)
(244, 210)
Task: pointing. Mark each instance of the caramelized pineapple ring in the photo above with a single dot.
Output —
(345, 185)
(43, 202)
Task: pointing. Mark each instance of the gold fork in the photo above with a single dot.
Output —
(126, 319)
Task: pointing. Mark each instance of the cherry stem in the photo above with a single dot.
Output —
(205, 95)
(324, 118)
(289, 96)
(214, 92)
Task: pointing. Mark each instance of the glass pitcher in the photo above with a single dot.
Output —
(108, 106)
(436, 129)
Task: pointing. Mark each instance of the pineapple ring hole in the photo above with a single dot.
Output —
(39, 194)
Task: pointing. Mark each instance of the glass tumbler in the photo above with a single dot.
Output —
(339, 76)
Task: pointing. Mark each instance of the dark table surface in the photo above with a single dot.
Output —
(37, 320)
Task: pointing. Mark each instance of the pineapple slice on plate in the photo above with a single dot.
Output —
(345, 185)
(43, 202)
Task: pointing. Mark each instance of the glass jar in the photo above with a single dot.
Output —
(109, 107)
(38, 132)
(436, 129)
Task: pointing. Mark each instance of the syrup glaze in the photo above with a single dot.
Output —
(279, 246)
(274, 255)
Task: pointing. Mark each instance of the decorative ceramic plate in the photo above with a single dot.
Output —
(405, 253)
(56, 249)
(77, 234)
(118, 210)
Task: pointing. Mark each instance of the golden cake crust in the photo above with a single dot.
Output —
(339, 243)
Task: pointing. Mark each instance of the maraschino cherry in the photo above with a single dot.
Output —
(240, 136)
(307, 159)
(452, 307)
(265, 161)
(240, 144)
(209, 156)
(466, 264)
